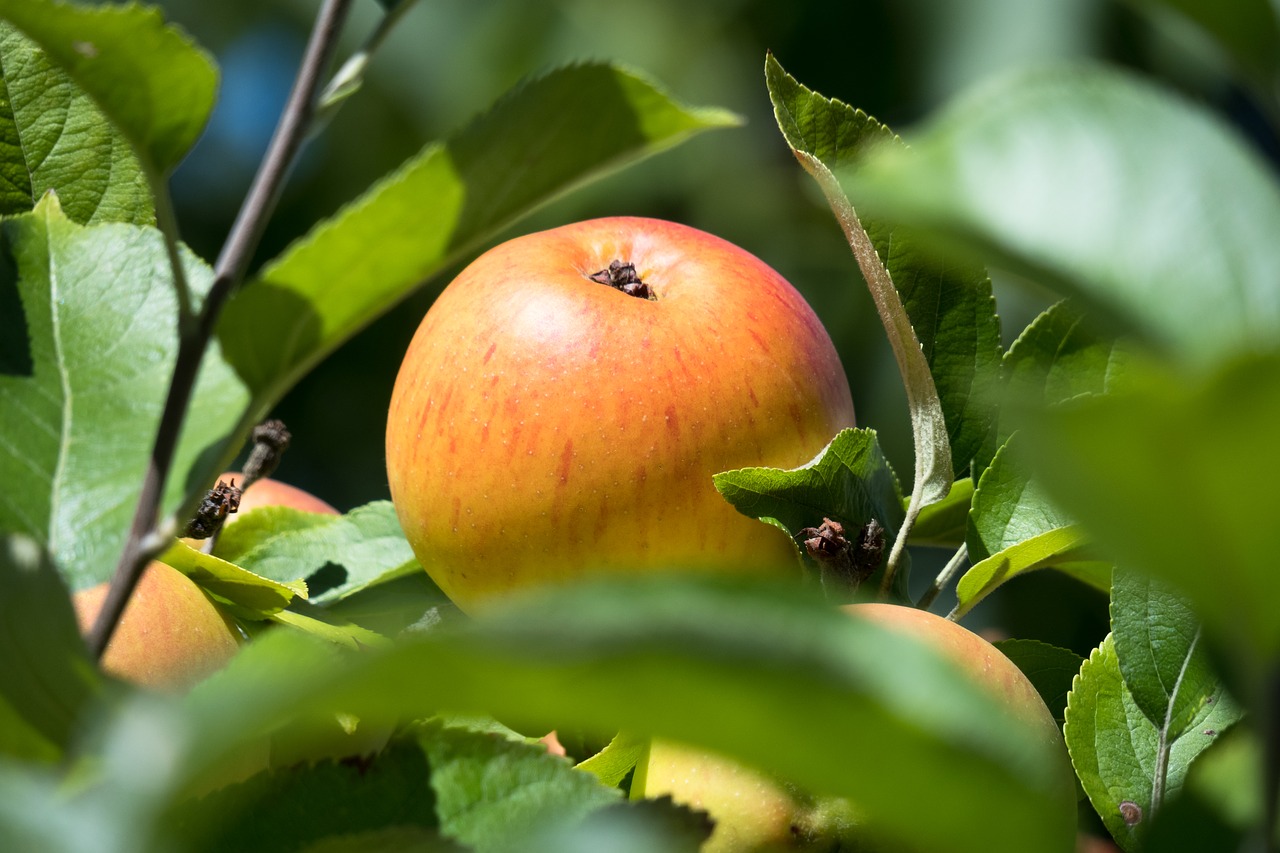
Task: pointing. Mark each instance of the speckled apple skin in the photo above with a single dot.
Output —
(544, 426)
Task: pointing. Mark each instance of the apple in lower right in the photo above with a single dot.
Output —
(755, 812)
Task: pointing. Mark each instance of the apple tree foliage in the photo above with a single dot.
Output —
(1126, 439)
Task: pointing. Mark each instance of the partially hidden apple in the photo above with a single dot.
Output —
(755, 812)
(567, 398)
(171, 635)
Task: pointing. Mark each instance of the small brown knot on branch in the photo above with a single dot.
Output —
(270, 441)
(222, 500)
(621, 275)
(853, 560)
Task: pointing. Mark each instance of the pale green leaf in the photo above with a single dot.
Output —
(148, 78)
(612, 764)
(250, 596)
(54, 137)
(943, 524)
(1146, 206)
(89, 336)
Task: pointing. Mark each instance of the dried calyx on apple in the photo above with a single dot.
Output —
(622, 275)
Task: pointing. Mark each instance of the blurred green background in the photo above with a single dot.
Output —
(896, 59)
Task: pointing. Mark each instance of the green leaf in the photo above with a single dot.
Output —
(355, 548)
(1013, 529)
(825, 134)
(781, 680)
(259, 526)
(633, 826)
(250, 596)
(1157, 640)
(149, 79)
(403, 599)
(285, 809)
(612, 764)
(1144, 205)
(47, 678)
(83, 378)
(54, 137)
(328, 626)
(1189, 463)
(943, 524)
(542, 139)
(1050, 670)
(492, 793)
(850, 481)
(1115, 748)
(1058, 357)
(398, 839)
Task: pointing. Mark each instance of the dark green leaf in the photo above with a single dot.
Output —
(493, 793)
(824, 134)
(399, 839)
(46, 675)
(944, 524)
(781, 680)
(84, 370)
(1247, 30)
(1144, 205)
(1115, 748)
(1049, 668)
(1013, 529)
(850, 482)
(1057, 357)
(1189, 464)
(149, 79)
(1157, 640)
(54, 137)
(289, 808)
(539, 141)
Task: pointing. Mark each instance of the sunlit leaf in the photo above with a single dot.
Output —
(150, 80)
(85, 365)
(542, 139)
(54, 137)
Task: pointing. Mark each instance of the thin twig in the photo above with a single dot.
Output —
(944, 577)
(142, 543)
(347, 79)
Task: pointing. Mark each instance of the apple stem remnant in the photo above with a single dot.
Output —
(270, 440)
(621, 275)
(853, 561)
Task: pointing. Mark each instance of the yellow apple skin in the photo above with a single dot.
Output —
(170, 635)
(544, 425)
(755, 812)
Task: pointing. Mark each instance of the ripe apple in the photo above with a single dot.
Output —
(754, 811)
(170, 635)
(567, 398)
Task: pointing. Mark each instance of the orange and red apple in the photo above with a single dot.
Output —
(552, 418)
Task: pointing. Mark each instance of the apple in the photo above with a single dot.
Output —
(170, 635)
(564, 403)
(754, 811)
